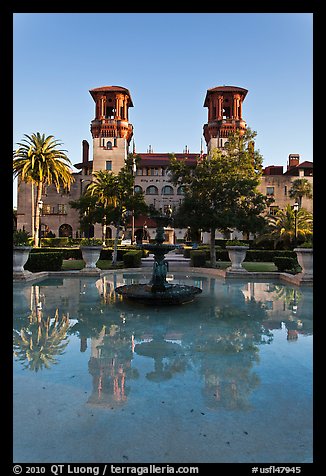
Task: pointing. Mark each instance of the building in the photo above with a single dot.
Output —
(111, 134)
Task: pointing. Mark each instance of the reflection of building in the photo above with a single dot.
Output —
(111, 137)
(110, 366)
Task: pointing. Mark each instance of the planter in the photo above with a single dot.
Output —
(305, 260)
(91, 255)
(20, 257)
(237, 255)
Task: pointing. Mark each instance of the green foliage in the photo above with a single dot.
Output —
(282, 227)
(51, 261)
(67, 253)
(56, 242)
(22, 238)
(198, 258)
(285, 263)
(300, 188)
(306, 244)
(235, 243)
(91, 242)
(221, 189)
(132, 259)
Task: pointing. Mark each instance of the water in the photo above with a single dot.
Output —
(226, 378)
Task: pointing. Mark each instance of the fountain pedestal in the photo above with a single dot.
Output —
(158, 290)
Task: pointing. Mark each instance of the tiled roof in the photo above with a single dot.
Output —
(113, 89)
(157, 159)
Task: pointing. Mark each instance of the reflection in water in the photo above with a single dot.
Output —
(216, 339)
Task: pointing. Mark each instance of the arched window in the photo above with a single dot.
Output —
(109, 144)
(167, 190)
(152, 190)
(138, 189)
(181, 190)
(65, 230)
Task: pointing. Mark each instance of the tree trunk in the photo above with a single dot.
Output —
(37, 215)
(33, 210)
(115, 247)
(212, 248)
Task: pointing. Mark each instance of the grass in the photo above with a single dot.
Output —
(77, 264)
(107, 264)
(252, 266)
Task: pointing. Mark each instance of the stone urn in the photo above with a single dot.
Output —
(20, 257)
(237, 254)
(305, 260)
(91, 255)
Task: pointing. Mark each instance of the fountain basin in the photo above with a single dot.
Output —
(172, 293)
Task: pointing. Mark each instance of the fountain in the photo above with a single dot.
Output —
(158, 290)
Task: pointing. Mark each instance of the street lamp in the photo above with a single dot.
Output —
(295, 209)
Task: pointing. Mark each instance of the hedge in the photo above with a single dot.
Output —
(132, 259)
(284, 263)
(197, 258)
(68, 253)
(44, 262)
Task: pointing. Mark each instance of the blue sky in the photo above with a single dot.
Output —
(167, 61)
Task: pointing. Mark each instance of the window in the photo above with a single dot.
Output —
(108, 165)
(152, 190)
(46, 209)
(152, 171)
(167, 190)
(109, 144)
(62, 209)
(273, 210)
(181, 190)
(138, 189)
(269, 190)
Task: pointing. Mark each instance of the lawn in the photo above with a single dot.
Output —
(107, 264)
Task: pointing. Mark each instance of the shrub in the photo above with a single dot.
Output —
(197, 258)
(68, 253)
(55, 242)
(132, 259)
(22, 238)
(236, 243)
(51, 261)
(91, 242)
(284, 263)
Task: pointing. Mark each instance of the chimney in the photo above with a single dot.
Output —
(293, 161)
(85, 146)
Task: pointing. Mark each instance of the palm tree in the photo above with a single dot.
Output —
(105, 187)
(39, 161)
(300, 188)
(282, 226)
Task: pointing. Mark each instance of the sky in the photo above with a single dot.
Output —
(168, 61)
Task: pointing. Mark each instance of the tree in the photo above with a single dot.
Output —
(300, 188)
(281, 227)
(39, 161)
(220, 191)
(110, 196)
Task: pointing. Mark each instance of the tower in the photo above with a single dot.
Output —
(224, 105)
(111, 130)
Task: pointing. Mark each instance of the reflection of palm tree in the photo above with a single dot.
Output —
(38, 343)
(289, 295)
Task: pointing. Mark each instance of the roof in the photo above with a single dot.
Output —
(157, 159)
(225, 89)
(111, 89)
(306, 165)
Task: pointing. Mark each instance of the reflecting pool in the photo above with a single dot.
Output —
(226, 378)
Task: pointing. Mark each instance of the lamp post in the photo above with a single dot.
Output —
(295, 209)
(40, 207)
